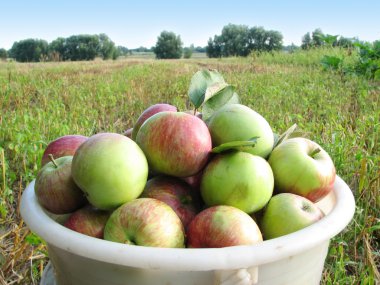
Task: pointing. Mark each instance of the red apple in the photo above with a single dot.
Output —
(88, 221)
(63, 146)
(194, 181)
(300, 166)
(146, 222)
(176, 144)
(55, 188)
(174, 192)
(222, 226)
(150, 112)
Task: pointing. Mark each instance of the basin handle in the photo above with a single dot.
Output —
(244, 276)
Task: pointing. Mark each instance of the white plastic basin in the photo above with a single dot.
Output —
(295, 259)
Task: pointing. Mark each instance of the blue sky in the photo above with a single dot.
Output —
(138, 23)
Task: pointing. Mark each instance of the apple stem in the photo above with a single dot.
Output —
(195, 111)
(51, 157)
(314, 152)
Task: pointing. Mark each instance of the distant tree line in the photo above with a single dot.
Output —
(318, 39)
(3, 53)
(240, 40)
(234, 40)
(76, 47)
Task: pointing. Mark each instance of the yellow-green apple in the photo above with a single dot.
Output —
(62, 146)
(88, 221)
(236, 122)
(302, 167)
(145, 222)
(175, 143)
(176, 193)
(222, 226)
(287, 213)
(55, 188)
(238, 179)
(154, 109)
(110, 169)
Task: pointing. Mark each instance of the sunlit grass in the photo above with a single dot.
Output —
(40, 102)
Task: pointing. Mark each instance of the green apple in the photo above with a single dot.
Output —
(302, 167)
(145, 222)
(111, 169)
(287, 213)
(236, 122)
(237, 179)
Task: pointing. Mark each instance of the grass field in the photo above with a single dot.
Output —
(42, 101)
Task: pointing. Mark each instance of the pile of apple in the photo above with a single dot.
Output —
(187, 179)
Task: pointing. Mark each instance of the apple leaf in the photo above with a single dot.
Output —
(214, 89)
(223, 96)
(200, 81)
(276, 138)
(292, 132)
(235, 145)
(285, 135)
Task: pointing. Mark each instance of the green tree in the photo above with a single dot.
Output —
(169, 45)
(274, 40)
(57, 49)
(106, 48)
(214, 47)
(291, 48)
(329, 40)
(122, 51)
(81, 47)
(200, 49)
(257, 38)
(30, 50)
(3, 53)
(188, 51)
(306, 41)
(142, 49)
(239, 40)
(317, 38)
(345, 42)
(235, 40)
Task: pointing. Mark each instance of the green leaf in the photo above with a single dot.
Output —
(224, 96)
(374, 228)
(329, 39)
(331, 62)
(286, 135)
(235, 145)
(214, 89)
(199, 83)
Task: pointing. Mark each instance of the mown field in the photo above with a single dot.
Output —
(42, 101)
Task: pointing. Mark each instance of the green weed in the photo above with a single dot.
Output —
(42, 101)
